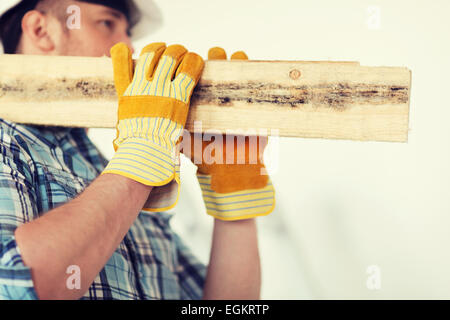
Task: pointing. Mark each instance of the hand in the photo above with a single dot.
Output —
(240, 189)
(152, 111)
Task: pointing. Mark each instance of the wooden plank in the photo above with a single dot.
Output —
(309, 99)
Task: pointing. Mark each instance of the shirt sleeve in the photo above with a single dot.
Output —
(17, 206)
(191, 272)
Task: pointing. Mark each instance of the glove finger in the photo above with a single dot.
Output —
(145, 66)
(157, 49)
(168, 64)
(239, 55)
(217, 53)
(187, 76)
(123, 67)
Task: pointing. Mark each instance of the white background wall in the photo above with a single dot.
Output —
(341, 205)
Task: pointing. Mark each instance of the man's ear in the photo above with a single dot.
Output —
(35, 28)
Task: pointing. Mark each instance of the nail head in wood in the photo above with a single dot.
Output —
(295, 74)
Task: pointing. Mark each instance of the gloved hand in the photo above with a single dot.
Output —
(151, 115)
(239, 190)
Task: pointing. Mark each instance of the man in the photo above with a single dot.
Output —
(65, 211)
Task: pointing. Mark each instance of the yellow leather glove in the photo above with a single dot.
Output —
(153, 106)
(239, 190)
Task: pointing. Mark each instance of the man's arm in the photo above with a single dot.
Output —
(234, 271)
(234, 194)
(84, 232)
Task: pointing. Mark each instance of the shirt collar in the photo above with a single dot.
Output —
(52, 134)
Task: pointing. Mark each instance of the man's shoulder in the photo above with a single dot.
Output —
(47, 137)
(62, 148)
(12, 130)
(28, 144)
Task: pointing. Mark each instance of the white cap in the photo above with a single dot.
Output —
(146, 12)
(7, 4)
(150, 20)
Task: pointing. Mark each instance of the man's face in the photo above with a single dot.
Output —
(101, 27)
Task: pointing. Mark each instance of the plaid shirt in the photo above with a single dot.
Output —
(44, 167)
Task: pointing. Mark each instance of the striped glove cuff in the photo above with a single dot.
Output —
(237, 205)
(143, 161)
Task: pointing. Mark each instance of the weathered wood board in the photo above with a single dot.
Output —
(308, 99)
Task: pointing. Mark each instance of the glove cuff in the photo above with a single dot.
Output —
(239, 205)
(143, 161)
(165, 197)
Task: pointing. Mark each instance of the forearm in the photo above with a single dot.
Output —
(83, 232)
(234, 271)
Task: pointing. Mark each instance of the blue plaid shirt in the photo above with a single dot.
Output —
(44, 167)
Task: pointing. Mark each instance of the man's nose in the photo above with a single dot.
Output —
(125, 39)
(129, 43)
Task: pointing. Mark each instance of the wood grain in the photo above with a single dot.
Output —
(308, 99)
